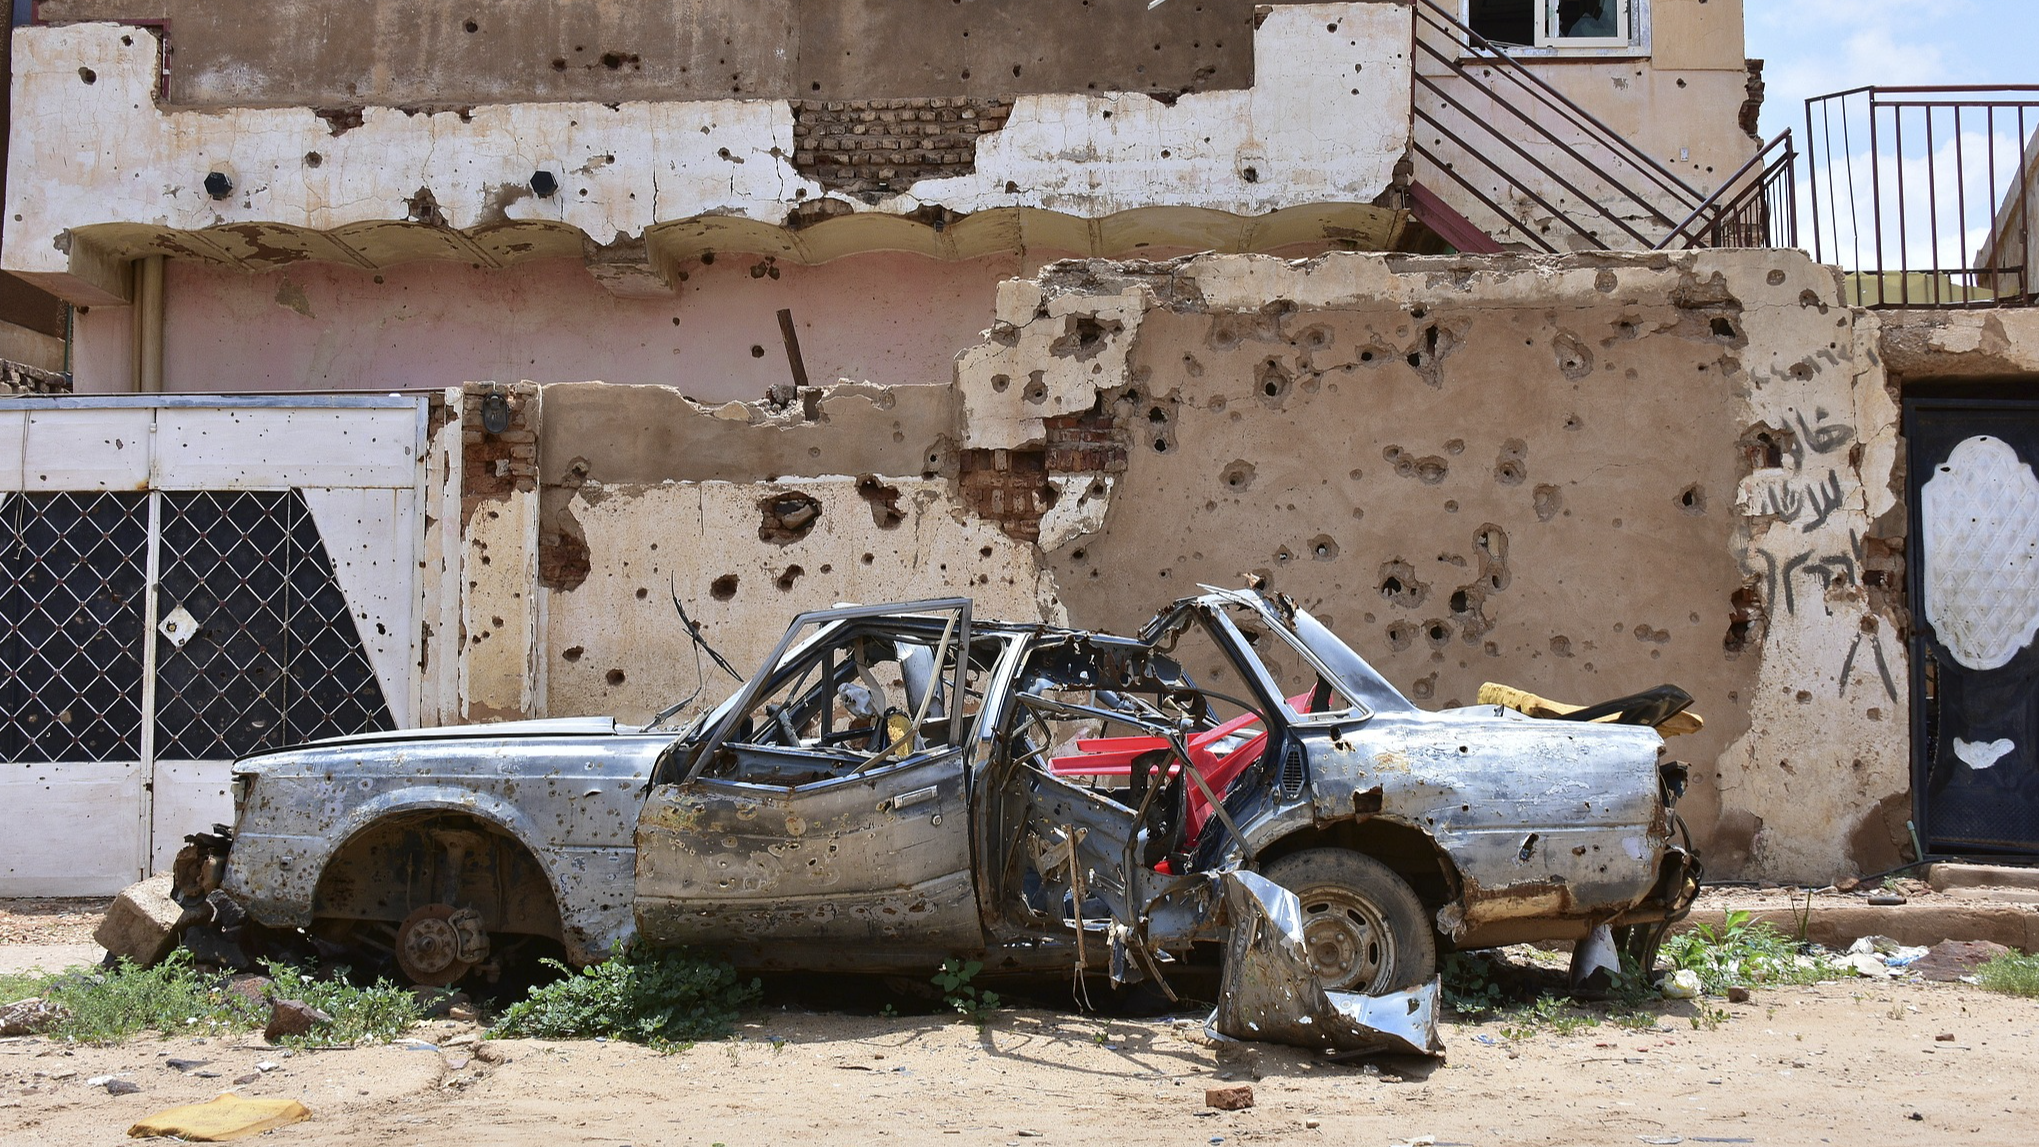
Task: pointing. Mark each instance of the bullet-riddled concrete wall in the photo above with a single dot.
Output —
(1583, 476)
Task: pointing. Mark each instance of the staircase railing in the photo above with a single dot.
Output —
(1495, 130)
(1922, 195)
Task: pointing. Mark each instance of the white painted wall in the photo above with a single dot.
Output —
(98, 169)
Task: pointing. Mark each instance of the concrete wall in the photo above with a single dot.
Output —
(396, 52)
(101, 174)
(1583, 476)
(895, 318)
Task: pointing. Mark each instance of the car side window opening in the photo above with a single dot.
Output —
(869, 696)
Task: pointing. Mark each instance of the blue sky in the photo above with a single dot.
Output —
(1812, 47)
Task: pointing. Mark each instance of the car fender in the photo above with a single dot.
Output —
(276, 876)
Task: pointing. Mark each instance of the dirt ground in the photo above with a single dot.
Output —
(1861, 1061)
(1844, 1063)
(50, 920)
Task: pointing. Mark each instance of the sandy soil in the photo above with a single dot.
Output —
(1852, 1062)
(50, 920)
(1845, 1063)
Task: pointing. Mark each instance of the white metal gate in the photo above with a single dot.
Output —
(184, 580)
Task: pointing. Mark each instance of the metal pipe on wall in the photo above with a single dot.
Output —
(148, 325)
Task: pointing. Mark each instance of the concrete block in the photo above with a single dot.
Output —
(144, 922)
(1946, 877)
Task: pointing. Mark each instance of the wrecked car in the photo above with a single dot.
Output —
(898, 785)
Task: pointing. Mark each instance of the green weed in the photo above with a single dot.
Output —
(172, 997)
(2010, 973)
(661, 997)
(375, 1014)
(957, 992)
(1469, 987)
(1742, 952)
(1548, 1013)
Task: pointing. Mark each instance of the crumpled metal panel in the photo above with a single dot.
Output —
(1269, 993)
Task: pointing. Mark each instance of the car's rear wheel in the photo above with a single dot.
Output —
(1363, 927)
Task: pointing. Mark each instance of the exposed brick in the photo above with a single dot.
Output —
(875, 147)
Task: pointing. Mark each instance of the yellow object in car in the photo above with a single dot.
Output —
(1523, 701)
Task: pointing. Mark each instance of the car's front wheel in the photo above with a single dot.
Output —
(1363, 927)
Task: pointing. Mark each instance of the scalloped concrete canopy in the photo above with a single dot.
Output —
(101, 174)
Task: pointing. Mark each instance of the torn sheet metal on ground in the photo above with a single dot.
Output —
(1270, 994)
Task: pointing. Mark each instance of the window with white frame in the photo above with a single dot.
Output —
(1555, 23)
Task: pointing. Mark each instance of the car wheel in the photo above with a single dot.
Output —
(1363, 927)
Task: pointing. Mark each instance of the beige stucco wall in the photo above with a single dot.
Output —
(1557, 461)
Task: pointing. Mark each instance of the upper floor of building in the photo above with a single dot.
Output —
(643, 138)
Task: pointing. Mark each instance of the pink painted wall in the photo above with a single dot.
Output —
(884, 317)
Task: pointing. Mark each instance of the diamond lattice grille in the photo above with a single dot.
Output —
(73, 570)
(275, 658)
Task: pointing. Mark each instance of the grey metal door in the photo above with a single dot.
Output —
(1974, 579)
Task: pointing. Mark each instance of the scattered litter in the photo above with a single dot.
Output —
(1880, 955)
(227, 1117)
(417, 1045)
(265, 1067)
(1660, 1139)
(185, 1064)
(1682, 984)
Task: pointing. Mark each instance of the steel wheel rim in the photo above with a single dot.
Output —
(1347, 940)
(427, 947)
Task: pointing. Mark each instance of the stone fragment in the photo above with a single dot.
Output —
(1949, 960)
(249, 986)
(30, 1016)
(1238, 1097)
(292, 1017)
(1738, 995)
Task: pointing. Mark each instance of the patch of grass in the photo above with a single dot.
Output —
(375, 1014)
(2010, 973)
(21, 985)
(1548, 1013)
(174, 998)
(662, 997)
(1743, 952)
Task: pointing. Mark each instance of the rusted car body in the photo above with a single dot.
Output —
(902, 784)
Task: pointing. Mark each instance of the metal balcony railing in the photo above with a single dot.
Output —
(1551, 176)
(1922, 195)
